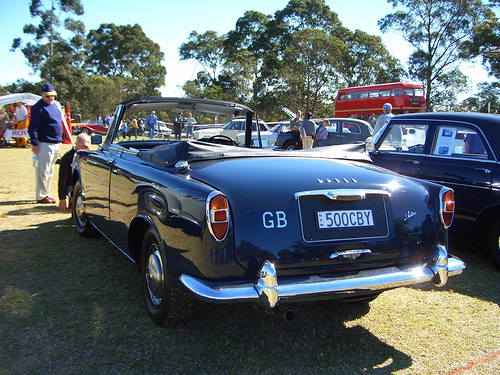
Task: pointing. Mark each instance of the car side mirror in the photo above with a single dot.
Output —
(95, 139)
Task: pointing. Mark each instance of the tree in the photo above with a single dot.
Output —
(125, 51)
(309, 69)
(48, 44)
(486, 100)
(207, 49)
(440, 30)
(487, 38)
(366, 61)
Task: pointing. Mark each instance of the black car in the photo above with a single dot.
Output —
(458, 150)
(231, 224)
(340, 131)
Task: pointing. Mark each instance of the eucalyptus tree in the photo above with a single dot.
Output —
(126, 52)
(440, 31)
(310, 67)
(366, 61)
(487, 38)
(48, 53)
(487, 100)
(207, 49)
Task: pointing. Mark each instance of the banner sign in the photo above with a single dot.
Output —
(16, 133)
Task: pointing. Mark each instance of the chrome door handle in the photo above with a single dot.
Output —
(485, 170)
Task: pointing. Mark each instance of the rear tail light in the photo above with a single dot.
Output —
(446, 206)
(218, 215)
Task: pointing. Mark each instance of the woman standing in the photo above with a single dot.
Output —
(4, 121)
(322, 134)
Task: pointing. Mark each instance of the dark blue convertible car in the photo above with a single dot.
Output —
(231, 224)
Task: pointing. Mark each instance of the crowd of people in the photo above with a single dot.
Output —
(45, 135)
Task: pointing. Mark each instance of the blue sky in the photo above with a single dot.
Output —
(169, 23)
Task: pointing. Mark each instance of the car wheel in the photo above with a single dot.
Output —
(289, 146)
(82, 223)
(165, 304)
(86, 131)
(493, 243)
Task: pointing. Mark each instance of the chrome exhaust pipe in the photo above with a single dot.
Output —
(284, 313)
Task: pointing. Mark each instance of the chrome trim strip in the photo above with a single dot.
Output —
(342, 194)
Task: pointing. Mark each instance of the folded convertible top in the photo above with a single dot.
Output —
(170, 153)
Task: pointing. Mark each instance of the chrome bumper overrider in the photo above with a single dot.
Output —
(267, 292)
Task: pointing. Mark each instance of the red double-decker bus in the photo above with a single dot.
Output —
(362, 101)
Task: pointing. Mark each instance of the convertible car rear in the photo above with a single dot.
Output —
(230, 224)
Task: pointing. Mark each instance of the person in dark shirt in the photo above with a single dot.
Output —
(473, 145)
(307, 131)
(65, 182)
(45, 130)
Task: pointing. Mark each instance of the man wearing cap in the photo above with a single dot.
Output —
(382, 119)
(151, 122)
(45, 130)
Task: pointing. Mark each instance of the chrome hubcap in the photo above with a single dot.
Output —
(155, 275)
(80, 211)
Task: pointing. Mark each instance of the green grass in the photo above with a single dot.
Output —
(70, 305)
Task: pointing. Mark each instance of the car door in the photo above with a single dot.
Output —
(468, 171)
(334, 134)
(95, 169)
(402, 147)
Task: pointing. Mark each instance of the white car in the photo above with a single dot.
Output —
(207, 132)
(233, 127)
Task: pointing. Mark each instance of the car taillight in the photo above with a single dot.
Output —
(447, 206)
(218, 215)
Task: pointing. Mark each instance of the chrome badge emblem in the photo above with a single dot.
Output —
(350, 254)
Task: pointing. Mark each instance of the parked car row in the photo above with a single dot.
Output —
(191, 215)
(340, 131)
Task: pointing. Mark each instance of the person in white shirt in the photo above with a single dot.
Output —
(382, 119)
(21, 122)
(190, 121)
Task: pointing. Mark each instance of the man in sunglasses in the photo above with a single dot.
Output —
(45, 130)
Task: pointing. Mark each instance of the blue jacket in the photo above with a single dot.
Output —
(45, 123)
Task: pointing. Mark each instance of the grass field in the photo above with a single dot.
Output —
(70, 305)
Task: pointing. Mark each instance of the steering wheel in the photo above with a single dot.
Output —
(221, 139)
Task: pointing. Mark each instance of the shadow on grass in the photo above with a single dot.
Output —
(479, 280)
(73, 305)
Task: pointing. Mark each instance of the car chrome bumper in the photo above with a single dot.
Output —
(267, 292)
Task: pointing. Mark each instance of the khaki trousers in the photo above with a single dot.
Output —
(47, 156)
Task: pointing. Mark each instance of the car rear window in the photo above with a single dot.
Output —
(458, 141)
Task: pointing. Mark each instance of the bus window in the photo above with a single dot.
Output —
(409, 92)
(419, 92)
(373, 94)
(363, 95)
(352, 95)
(343, 96)
(397, 92)
(385, 92)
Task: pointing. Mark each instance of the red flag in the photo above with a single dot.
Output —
(68, 115)
(66, 126)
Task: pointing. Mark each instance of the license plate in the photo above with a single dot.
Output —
(345, 219)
